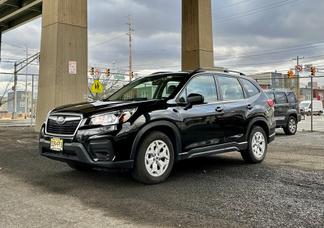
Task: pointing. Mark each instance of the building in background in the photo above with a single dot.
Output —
(20, 101)
(275, 80)
(318, 92)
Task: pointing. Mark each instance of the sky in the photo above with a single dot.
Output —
(249, 35)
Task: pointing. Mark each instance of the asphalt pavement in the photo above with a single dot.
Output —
(286, 190)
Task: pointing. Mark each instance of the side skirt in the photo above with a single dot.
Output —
(215, 149)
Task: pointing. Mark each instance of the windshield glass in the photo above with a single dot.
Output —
(148, 88)
(304, 104)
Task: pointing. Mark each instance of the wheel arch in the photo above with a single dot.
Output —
(293, 114)
(258, 121)
(167, 127)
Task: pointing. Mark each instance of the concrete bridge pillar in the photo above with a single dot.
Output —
(64, 55)
(197, 35)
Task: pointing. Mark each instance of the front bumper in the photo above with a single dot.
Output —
(76, 152)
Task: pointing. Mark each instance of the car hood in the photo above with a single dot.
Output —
(90, 108)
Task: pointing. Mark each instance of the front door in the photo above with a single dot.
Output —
(201, 125)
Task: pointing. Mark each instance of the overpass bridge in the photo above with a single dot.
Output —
(64, 44)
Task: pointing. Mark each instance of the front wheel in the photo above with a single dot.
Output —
(257, 148)
(154, 159)
(291, 127)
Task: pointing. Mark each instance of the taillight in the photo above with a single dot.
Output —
(270, 103)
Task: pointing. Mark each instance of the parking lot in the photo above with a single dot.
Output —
(285, 190)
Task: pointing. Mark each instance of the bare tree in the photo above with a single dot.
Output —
(109, 86)
(2, 101)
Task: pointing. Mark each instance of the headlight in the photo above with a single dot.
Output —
(112, 118)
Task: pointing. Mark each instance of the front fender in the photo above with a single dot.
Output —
(158, 125)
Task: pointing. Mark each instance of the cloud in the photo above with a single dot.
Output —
(251, 35)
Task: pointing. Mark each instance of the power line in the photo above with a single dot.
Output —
(256, 11)
(234, 4)
(278, 50)
(106, 41)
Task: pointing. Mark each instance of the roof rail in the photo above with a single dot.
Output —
(218, 69)
(161, 72)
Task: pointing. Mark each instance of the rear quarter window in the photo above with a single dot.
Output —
(251, 89)
(291, 97)
(281, 98)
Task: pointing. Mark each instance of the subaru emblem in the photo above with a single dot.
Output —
(60, 120)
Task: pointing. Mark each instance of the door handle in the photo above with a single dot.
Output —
(249, 106)
(219, 109)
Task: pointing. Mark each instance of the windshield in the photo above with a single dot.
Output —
(148, 88)
(304, 104)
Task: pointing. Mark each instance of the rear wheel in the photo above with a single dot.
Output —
(257, 147)
(291, 127)
(154, 159)
(79, 166)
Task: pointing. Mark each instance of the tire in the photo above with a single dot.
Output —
(291, 127)
(154, 159)
(257, 147)
(79, 166)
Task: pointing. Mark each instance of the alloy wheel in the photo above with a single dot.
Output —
(258, 145)
(157, 158)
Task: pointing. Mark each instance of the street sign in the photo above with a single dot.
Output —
(299, 68)
(72, 67)
(97, 72)
(97, 87)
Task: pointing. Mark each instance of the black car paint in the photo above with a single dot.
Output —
(198, 131)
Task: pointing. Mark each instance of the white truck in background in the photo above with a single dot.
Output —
(305, 107)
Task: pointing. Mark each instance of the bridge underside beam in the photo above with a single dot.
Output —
(16, 12)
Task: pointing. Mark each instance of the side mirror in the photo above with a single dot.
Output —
(194, 99)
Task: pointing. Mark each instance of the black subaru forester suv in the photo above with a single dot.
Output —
(157, 120)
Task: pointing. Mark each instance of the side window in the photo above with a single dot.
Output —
(291, 97)
(281, 98)
(250, 88)
(203, 85)
(271, 95)
(230, 88)
(169, 88)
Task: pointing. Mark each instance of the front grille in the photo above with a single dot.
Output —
(67, 128)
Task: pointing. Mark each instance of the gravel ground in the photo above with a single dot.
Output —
(286, 190)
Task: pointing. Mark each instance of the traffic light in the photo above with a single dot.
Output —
(291, 74)
(313, 71)
(107, 72)
(132, 74)
(91, 70)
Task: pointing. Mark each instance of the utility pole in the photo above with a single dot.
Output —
(32, 103)
(312, 105)
(297, 76)
(26, 81)
(0, 44)
(130, 57)
(14, 113)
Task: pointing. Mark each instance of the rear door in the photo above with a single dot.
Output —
(281, 108)
(235, 108)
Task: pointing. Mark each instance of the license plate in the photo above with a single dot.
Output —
(56, 144)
